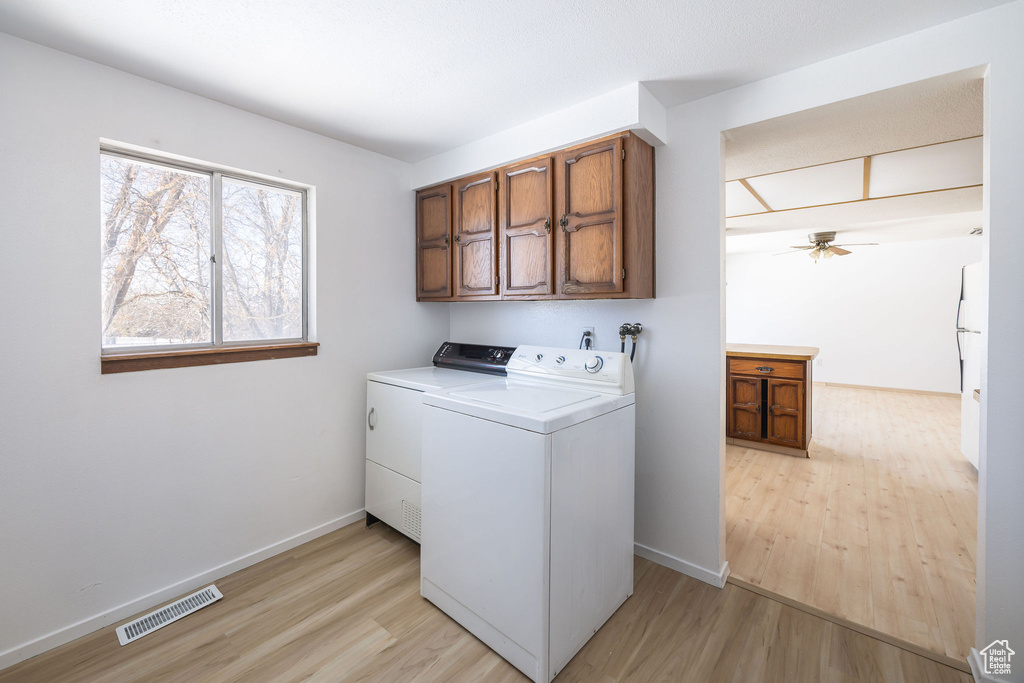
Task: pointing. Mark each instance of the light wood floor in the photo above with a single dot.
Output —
(878, 526)
(346, 607)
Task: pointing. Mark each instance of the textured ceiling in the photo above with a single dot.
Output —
(939, 109)
(859, 215)
(411, 79)
(936, 110)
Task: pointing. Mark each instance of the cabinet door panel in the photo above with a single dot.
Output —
(590, 198)
(591, 261)
(476, 272)
(433, 232)
(529, 269)
(475, 236)
(434, 272)
(743, 397)
(589, 184)
(526, 200)
(785, 412)
(434, 214)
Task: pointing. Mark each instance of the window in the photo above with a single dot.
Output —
(196, 261)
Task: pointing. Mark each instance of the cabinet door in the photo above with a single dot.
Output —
(590, 199)
(786, 412)
(476, 233)
(526, 204)
(433, 237)
(743, 398)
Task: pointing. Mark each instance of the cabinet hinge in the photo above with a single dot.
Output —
(623, 274)
(623, 155)
(497, 280)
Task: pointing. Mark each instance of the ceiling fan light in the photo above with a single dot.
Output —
(815, 254)
(827, 252)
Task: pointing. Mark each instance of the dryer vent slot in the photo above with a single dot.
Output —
(412, 520)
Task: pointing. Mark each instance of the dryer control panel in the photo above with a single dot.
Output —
(607, 372)
(473, 357)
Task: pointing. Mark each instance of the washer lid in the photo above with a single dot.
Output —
(526, 405)
(523, 397)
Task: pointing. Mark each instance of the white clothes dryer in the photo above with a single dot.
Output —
(393, 427)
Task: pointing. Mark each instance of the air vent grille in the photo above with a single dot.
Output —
(134, 630)
(412, 520)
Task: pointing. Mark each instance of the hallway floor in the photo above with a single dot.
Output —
(878, 526)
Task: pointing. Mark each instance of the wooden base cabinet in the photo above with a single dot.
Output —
(768, 401)
(578, 224)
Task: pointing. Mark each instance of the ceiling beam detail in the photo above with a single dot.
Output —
(754, 194)
(867, 177)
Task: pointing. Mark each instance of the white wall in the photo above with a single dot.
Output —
(631, 107)
(882, 316)
(116, 487)
(680, 416)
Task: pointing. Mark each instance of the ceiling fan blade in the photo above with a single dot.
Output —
(791, 251)
(839, 252)
(804, 246)
(861, 244)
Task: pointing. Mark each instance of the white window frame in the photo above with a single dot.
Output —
(217, 174)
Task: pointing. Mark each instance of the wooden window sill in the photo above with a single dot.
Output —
(134, 362)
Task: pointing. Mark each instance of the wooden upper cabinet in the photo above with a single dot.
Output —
(476, 235)
(433, 242)
(590, 198)
(578, 224)
(526, 215)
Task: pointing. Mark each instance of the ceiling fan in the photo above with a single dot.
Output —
(821, 246)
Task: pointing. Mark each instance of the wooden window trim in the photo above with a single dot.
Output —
(156, 360)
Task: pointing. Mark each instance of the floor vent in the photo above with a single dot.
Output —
(411, 520)
(134, 630)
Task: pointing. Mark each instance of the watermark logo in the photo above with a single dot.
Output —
(997, 658)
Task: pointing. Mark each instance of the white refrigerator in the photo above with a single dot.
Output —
(970, 336)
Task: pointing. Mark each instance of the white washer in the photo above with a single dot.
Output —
(528, 503)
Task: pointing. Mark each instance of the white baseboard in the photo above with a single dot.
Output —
(716, 579)
(978, 669)
(121, 612)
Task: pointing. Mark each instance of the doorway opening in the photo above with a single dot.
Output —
(853, 281)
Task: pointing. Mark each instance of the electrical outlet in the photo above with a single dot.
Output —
(593, 343)
(817, 361)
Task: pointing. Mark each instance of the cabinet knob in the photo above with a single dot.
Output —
(458, 238)
(446, 241)
(564, 222)
(547, 224)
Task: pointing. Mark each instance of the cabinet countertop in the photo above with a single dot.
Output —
(772, 351)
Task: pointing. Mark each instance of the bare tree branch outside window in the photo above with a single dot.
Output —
(157, 272)
(262, 247)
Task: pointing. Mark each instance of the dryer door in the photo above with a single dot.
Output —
(393, 424)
